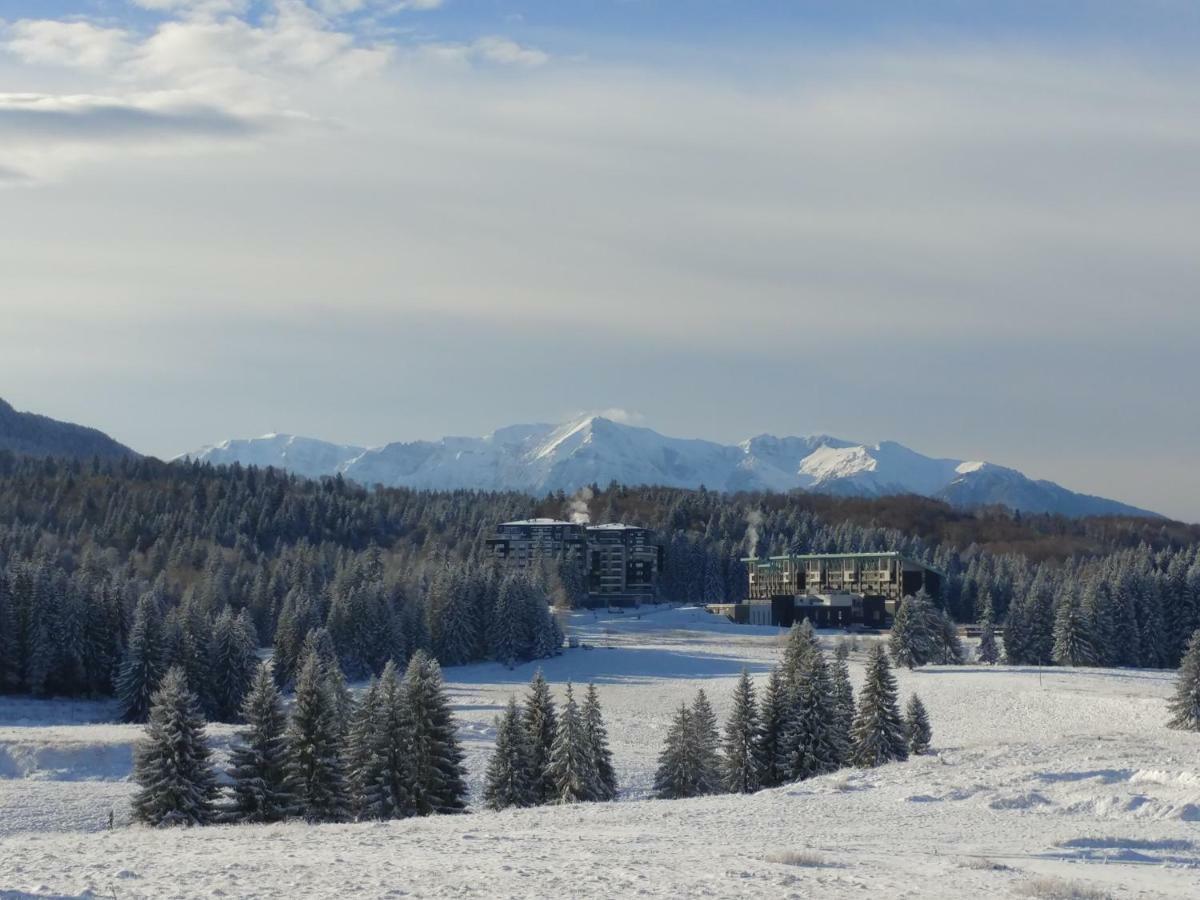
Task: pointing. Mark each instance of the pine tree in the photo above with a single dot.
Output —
(541, 724)
(878, 733)
(843, 703)
(571, 770)
(1072, 643)
(773, 720)
(172, 763)
(802, 640)
(811, 740)
(989, 655)
(706, 738)
(916, 632)
(742, 746)
(507, 782)
(916, 723)
(384, 781)
(437, 783)
(949, 648)
(315, 764)
(1185, 705)
(258, 770)
(677, 763)
(233, 665)
(605, 786)
(141, 668)
(360, 740)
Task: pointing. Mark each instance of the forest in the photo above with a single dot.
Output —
(112, 572)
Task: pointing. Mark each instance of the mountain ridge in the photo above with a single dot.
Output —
(546, 457)
(30, 434)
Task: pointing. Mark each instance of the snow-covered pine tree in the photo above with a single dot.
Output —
(878, 733)
(384, 782)
(916, 724)
(811, 741)
(915, 632)
(233, 666)
(435, 758)
(741, 761)
(1185, 705)
(605, 786)
(360, 738)
(676, 776)
(507, 633)
(141, 667)
(455, 638)
(1072, 643)
(258, 761)
(171, 763)
(571, 770)
(507, 782)
(773, 722)
(802, 640)
(342, 697)
(948, 645)
(541, 724)
(706, 739)
(843, 701)
(989, 654)
(314, 743)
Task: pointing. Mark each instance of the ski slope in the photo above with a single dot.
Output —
(1043, 783)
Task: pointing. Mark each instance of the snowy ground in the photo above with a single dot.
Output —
(1045, 784)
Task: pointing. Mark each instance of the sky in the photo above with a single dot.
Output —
(970, 227)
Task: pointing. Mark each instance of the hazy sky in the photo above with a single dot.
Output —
(970, 227)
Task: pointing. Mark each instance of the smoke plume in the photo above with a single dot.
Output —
(753, 519)
(577, 507)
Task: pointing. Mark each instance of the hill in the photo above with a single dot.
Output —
(28, 434)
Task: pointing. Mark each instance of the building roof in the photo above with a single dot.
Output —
(866, 554)
(538, 522)
(615, 526)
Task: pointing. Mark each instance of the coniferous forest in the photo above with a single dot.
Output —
(114, 572)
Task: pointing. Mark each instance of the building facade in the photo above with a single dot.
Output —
(832, 589)
(619, 563)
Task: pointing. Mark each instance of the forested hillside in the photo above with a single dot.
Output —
(222, 557)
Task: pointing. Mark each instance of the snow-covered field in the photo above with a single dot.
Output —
(1046, 783)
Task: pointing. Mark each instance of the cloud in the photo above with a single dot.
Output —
(494, 49)
(76, 44)
(82, 118)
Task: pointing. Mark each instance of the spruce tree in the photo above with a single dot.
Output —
(802, 640)
(314, 744)
(989, 654)
(605, 783)
(706, 739)
(171, 763)
(878, 733)
(387, 764)
(916, 723)
(437, 777)
(360, 740)
(1185, 705)
(811, 742)
(258, 770)
(916, 632)
(773, 720)
(571, 770)
(141, 668)
(843, 702)
(507, 782)
(677, 774)
(234, 664)
(741, 763)
(541, 724)
(1072, 643)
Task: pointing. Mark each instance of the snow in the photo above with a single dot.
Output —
(1036, 774)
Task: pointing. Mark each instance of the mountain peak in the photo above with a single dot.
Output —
(29, 434)
(597, 448)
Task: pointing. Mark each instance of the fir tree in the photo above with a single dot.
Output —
(843, 702)
(706, 740)
(387, 764)
(677, 763)
(315, 764)
(802, 640)
(258, 770)
(916, 723)
(1185, 705)
(507, 782)
(541, 724)
(435, 758)
(741, 764)
(171, 764)
(605, 782)
(571, 770)
(878, 732)
(360, 744)
(949, 648)
(233, 665)
(916, 632)
(811, 742)
(141, 668)
(989, 654)
(773, 721)
(1072, 643)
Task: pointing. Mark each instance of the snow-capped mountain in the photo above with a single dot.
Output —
(595, 449)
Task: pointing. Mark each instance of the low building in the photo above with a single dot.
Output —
(619, 563)
(834, 590)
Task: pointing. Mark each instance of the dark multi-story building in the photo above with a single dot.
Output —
(619, 563)
(831, 589)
